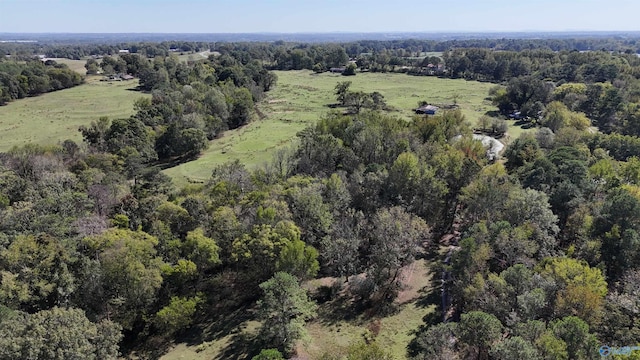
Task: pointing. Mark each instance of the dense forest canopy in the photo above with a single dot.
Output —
(542, 252)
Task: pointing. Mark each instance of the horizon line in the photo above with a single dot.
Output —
(337, 32)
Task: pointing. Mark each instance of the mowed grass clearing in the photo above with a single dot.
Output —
(195, 56)
(54, 117)
(75, 65)
(301, 97)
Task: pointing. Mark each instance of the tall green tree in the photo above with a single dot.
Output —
(582, 288)
(480, 332)
(129, 272)
(341, 91)
(514, 348)
(178, 315)
(284, 309)
(396, 238)
(581, 344)
(36, 273)
(436, 342)
(269, 354)
(298, 259)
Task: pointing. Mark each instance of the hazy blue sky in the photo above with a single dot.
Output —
(202, 16)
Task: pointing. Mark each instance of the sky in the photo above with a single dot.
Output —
(294, 16)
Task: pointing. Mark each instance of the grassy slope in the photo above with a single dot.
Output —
(301, 97)
(62, 112)
(395, 331)
(75, 65)
(328, 333)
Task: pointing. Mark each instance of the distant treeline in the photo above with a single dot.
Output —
(267, 50)
(565, 66)
(21, 79)
(602, 85)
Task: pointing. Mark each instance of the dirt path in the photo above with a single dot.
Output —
(410, 290)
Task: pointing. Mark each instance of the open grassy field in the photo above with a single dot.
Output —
(301, 97)
(75, 65)
(184, 57)
(54, 117)
(330, 331)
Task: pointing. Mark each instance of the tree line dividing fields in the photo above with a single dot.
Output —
(298, 100)
(301, 97)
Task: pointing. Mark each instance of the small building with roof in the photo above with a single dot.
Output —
(427, 110)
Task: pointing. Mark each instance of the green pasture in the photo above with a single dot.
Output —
(427, 54)
(75, 65)
(54, 117)
(301, 97)
(432, 53)
(195, 56)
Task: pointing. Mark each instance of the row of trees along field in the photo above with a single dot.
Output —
(34, 77)
(191, 104)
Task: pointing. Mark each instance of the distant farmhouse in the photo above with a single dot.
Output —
(434, 69)
(337, 70)
(427, 110)
(123, 51)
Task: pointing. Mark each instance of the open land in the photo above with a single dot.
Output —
(299, 100)
(195, 56)
(301, 97)
(75, 65)
(54, 117)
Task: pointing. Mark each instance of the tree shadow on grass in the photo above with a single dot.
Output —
(526, 123)
(227, 315)
(207, 330)
(153, 348)
(241, 346)
(340, 309)
(493, 113)
(218, 327)
(229, 309)
(343, 306)
(175, 161)
(430, 295)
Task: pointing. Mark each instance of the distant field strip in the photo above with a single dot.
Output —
(75, 65)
